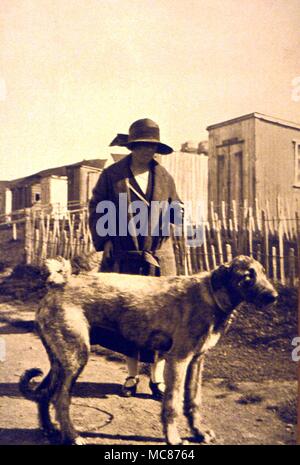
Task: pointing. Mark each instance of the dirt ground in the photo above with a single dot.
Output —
(249, 387)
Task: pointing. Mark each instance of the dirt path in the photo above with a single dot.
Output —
(243, 412)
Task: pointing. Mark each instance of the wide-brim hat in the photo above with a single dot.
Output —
(142, 130)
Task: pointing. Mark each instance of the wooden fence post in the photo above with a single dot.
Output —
(281, 253)
(250, 232)
(292, 267)
(234, 228)
(265, 227)
(274, 263)
(37, 257)
(213, 256)
(228, 253)
(28, 237)
(205, 250)
(14, 232)
(219, 254)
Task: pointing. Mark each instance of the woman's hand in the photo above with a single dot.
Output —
(108, 249)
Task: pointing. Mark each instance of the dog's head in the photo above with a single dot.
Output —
(59, 270)
(245, 279)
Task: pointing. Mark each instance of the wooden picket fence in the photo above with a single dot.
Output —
(49, 236)
(273, 240)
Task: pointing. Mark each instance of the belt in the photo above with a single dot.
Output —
(146, 256)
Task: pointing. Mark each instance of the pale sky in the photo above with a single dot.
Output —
(74, 73)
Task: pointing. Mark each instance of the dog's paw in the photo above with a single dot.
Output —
(173, 438)
(185, 442)
(79, 441)
(178, 442)
(74, 441)
(204, 435)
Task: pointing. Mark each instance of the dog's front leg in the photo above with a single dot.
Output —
(175, 371)
(193, 400)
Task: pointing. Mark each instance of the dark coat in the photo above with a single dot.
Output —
(129, 251)
(111, 183)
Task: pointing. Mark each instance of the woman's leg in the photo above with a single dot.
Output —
(157, 371)
(157, 383)
(132, 366)
(131, 382)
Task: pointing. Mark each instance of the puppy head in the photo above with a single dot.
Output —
(59, 270)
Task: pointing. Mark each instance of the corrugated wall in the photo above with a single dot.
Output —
(190, 173)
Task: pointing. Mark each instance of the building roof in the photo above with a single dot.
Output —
(261, 116)
(94, 163)
(58, 171)
(4, 183)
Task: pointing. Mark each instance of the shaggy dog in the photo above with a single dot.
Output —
(180, 317)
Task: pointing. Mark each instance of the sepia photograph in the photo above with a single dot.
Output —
(149, 224)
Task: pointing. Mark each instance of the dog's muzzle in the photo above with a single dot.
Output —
(268, 298)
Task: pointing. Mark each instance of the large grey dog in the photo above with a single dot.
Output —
(182, 317)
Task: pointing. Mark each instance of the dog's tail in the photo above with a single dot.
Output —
(45, 389)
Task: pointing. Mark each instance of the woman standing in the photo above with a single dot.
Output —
(142, 179)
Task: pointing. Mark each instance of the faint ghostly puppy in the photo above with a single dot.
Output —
(180, 317)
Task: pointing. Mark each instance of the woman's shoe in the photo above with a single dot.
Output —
(130, 390)
(158, 390)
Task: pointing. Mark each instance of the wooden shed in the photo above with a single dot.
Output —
(69, 185)
(254, 156)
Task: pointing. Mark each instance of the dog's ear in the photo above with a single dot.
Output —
(220, 276)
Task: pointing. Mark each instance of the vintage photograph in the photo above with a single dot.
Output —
(149, 222)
